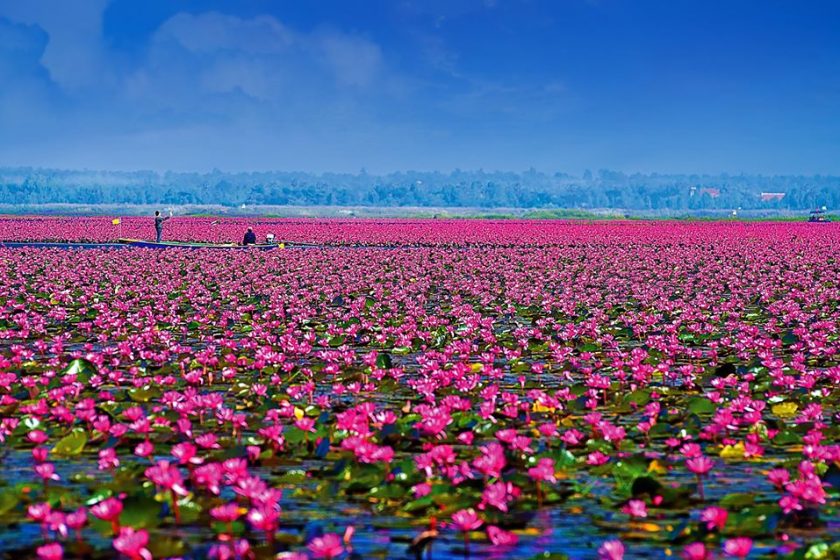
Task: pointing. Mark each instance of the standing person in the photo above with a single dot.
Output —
(159, 224)
(250, 237)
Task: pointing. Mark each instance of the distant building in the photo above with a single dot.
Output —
(771, 196)
(712, 192)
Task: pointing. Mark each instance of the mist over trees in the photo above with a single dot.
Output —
(475, 189)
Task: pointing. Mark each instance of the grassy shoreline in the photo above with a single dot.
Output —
(374, 212)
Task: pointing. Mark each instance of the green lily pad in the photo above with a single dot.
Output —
(8, 501)
(81, 368)
(143, 394)
(383, 361)
(72, 444)
(701, 406)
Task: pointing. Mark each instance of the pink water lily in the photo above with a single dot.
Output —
(611, 550)
(132, 543)
(635, 508)
(695, 551)
(328, 546)
(714, 517)
(50, 551)
(738, 547)
(500, 537)
(489, 373)
(466, 520)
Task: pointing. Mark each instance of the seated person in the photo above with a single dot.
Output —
(250, 237)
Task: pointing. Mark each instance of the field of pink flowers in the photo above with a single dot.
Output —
(492, 389)
(407, 232)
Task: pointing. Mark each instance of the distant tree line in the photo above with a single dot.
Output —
(481, 189)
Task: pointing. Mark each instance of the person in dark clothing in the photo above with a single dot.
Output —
(159, 224)
(250, 237)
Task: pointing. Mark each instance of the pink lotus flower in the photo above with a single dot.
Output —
(57, 521)
(108, 459)
(515, 334)
(573, 437)
(76, 520)
(500, 537)
(635, 508)
(108, 509)
(596, 458)
(132, 543)
(305, 424)
(328, 546)
(39, 454)
(700, 465)
(499, 495)
(714, 517)
(39, 511)
(611, 550)
(263, 518)
(144, 449)
(226, 513)
(466, 520)
(466, 438)
(208, 441)
(779, 477)
(186, 454)
(544, 471)
(37, 437)
(691, 450)
(422, 489)
(695, 551)
(738, 547)
(166, 476)
(790, 504)
(46, 471)
(51, 551)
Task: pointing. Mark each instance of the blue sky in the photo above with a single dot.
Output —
(339, 85)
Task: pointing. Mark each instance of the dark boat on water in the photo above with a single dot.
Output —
(184, 245)
(819, 216)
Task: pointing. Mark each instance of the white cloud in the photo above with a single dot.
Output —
(355, 61)
(260, 57)
(74, 54)
(212, 89)
(212, 32)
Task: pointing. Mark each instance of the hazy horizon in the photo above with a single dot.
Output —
(390, 172)
(337, 86)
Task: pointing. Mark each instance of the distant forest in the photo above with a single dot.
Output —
(475, 189)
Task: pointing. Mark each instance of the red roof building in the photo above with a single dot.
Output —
(770, 196)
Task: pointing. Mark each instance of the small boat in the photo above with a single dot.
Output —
(818, 216)
(183, 245)
(59, 245)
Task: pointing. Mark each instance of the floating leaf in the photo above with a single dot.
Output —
(143, 394)
(639, 397)
(701, 406)
(167, 547)
(9, 499)
(738, 500)
(140, 512)
(383, 361)
(82, 368)
(72, 444)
